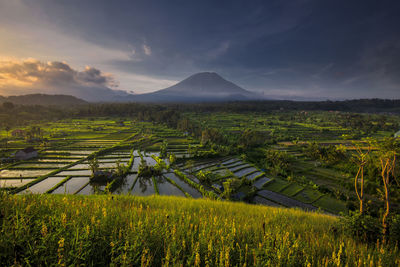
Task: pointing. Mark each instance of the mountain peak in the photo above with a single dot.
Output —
(205, 76)
(205, 83)
(203, 86)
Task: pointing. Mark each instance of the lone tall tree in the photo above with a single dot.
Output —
(390, 148)
(388, 164)
(361, 160)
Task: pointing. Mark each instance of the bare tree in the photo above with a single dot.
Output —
(361, 160)
(388, 164)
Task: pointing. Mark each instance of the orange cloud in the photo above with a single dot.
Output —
(55, 77)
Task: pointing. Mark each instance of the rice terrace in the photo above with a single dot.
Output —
(279, 159)
(199, 133)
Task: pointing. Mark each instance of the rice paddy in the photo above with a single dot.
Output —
(63, 166)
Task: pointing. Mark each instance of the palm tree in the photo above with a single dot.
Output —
(94, 166)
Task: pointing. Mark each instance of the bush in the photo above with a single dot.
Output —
(394, 228)
(361, 226)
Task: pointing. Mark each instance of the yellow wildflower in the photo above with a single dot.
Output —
(44, 230)
(63, 218)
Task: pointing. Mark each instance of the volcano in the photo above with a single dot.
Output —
(200, 87)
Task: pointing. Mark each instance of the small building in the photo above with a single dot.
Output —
(27, 153)
(18, 133)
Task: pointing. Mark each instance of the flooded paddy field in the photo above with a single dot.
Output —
(22, 173)
(86, 147)
(72, 185)
(43, 186)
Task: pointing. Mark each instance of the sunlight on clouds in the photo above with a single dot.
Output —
(21, 76)
(147, 50)
(35, 76)
(9, 80)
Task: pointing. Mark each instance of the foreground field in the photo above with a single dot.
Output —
(46, 230)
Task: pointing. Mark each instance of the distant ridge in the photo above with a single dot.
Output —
(43, 99)
(200, 87)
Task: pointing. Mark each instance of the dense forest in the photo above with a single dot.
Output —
(15, 113)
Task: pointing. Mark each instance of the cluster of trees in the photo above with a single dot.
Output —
(250, 138)
(274, 161)
(366, 123)
(18, 115)
(171, 114)
(381, 156)
(34, 133)
(328, 154)
(212, 135)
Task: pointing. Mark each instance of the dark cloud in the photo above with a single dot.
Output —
(331, 48)
(57, 78)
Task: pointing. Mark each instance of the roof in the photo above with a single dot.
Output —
(28, 149)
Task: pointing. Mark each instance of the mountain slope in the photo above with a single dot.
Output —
(205, 83)
(44, 100)
(200, 87)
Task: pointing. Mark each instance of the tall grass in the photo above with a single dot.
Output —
(46, 230)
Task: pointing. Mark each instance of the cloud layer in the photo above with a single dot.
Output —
(34, 76)
(330, 49)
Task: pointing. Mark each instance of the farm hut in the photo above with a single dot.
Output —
(26, 153)
(397, 134)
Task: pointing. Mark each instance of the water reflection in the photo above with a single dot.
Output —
(103, 186)
(145, 182)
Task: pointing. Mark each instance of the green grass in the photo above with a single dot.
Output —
(308, 195)
(277, 185)
(41, 230)
(330, 204)
(292, 189)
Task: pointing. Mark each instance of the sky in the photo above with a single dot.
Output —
(286, 49)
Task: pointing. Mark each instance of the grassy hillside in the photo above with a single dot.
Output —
(153, 231)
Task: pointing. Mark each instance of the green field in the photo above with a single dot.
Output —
(160, 231)
(223, 156)
(292, 135)
(152, 185)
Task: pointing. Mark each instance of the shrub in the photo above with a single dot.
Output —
(362, 226)
(394, 228)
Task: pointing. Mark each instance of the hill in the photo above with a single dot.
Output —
(200, 87)
(44, 100)
(154, 231)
